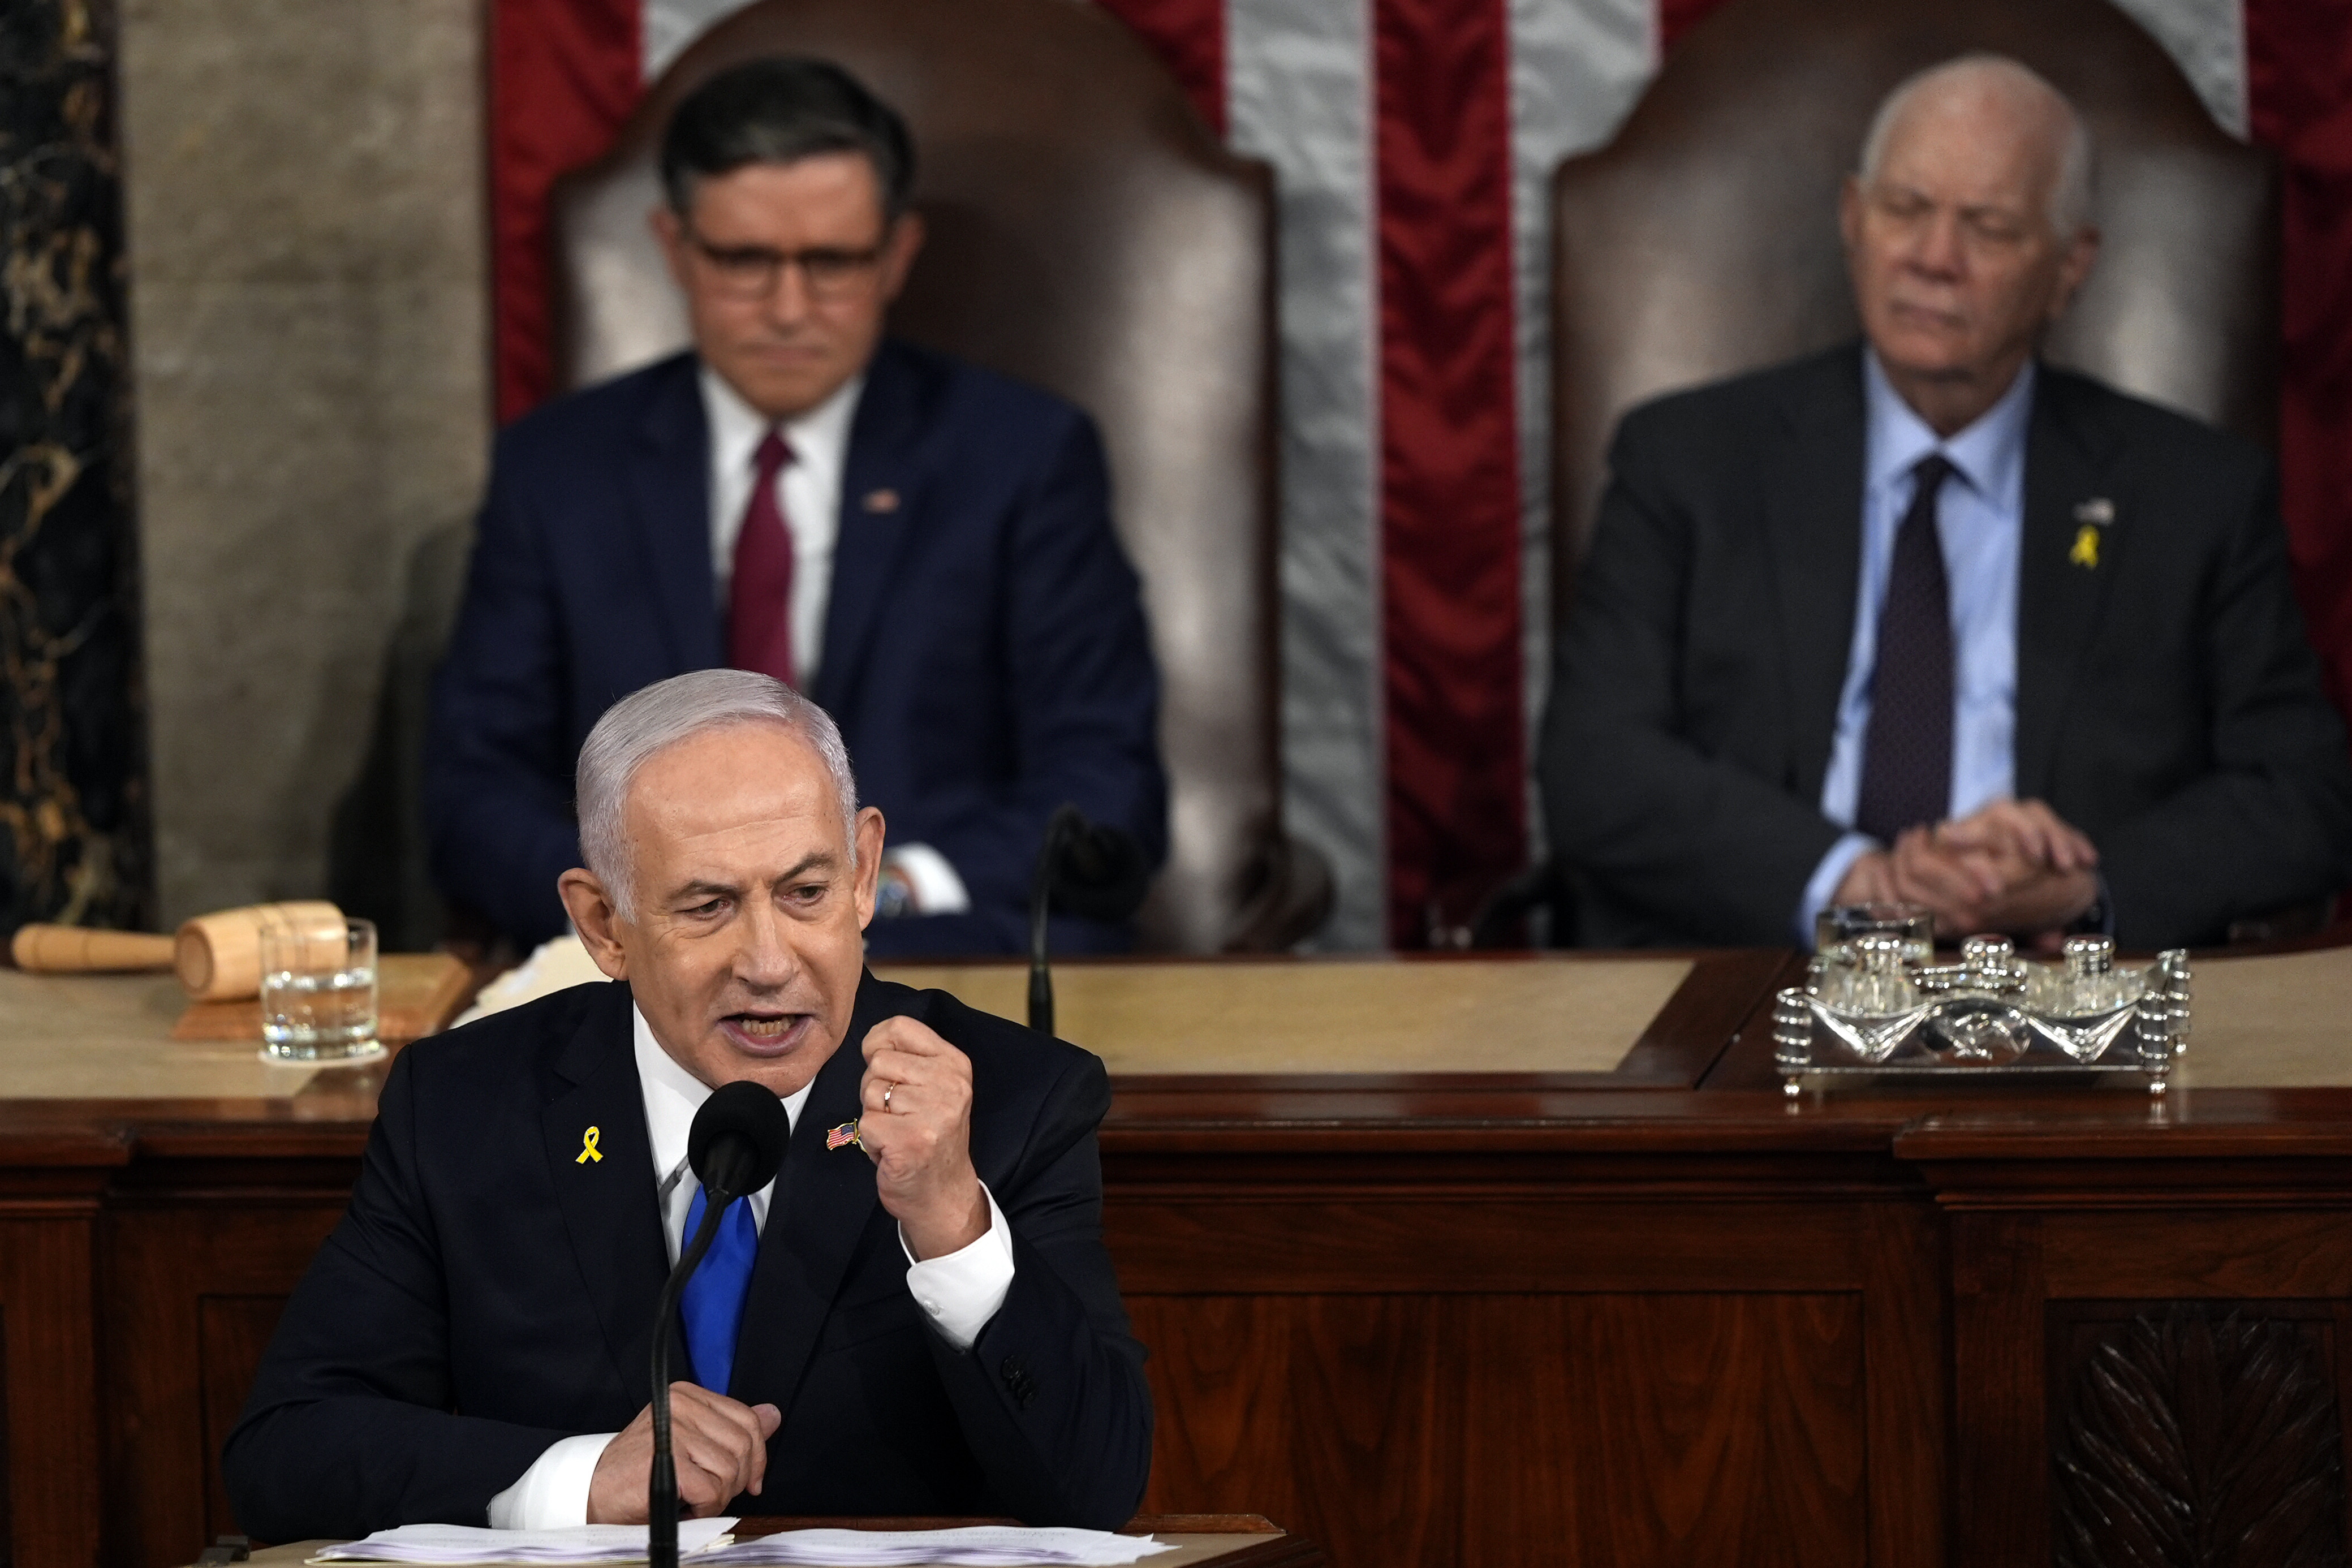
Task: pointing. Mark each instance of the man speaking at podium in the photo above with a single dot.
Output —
(923, 547)
(1923, 619)
(923, 1321)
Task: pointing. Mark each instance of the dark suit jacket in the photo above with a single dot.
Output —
(2168, 700)
(985, 651)
(487, 1293)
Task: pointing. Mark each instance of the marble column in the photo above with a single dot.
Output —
(73, 800)
(302, 184)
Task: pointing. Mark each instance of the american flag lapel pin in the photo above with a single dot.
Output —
(842, 1136)
(882, 500)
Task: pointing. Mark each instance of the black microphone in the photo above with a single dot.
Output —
(735, 1147)
(1083, 869)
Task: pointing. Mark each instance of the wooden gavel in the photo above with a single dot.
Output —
(217, 956)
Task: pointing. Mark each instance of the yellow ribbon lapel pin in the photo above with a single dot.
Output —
(588, 1147)
(2092, 516)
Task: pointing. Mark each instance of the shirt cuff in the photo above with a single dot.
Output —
(1822, 888)
(961, 1291)
(554, 1493)
(938, 890)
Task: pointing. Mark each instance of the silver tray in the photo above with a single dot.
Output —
(1876, 1007)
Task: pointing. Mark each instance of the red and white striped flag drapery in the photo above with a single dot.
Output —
(1412, 140)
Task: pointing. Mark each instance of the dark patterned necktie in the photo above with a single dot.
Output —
(1906, 754)
(760, 599)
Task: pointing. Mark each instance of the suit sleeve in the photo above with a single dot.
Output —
(349, 1428)
(498, 773)
(1051, 1396)
(1706, 847)
(1084, 690)
(2269, 823)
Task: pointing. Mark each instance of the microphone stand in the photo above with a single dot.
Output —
(1067, 820)
(661, 1486)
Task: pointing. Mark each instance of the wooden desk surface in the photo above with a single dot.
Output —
(1553, 1013)
(104, 1040)
(1444, 1050)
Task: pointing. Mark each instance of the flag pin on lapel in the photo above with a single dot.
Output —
(842, 1136)
(2092, 515)
(881, 500)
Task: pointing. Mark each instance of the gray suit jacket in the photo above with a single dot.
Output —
(2168, 700)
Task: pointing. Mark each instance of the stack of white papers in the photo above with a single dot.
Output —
(971, 1546)
(463, 1543)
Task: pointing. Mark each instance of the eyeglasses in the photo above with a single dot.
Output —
(749, 272)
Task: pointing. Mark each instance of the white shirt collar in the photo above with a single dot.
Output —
(819, 438)
(673, 1095)
(1990, 453)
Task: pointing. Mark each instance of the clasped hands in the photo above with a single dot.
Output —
(914, 1124)
(2015, 867)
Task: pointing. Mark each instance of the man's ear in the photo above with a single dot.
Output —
(899, 252)
(870, 838)
(2074, 269)
(1850, 214)
(595, 919)
(672, 235)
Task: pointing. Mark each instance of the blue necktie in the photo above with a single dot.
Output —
(712, 1305)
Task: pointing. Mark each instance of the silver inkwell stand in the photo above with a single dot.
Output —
(1876, 1004)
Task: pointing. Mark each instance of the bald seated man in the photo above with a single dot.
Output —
(927, 1324)
(1926, 618)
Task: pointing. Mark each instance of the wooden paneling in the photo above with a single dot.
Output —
(2066, 1233)
(194, 1288)
(1461, 1429)
(232, 1332)
(7, 1535)
(48, 1375)
(2187, 1431)
(1433, 1318)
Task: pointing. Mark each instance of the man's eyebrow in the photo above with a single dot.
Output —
(700, 888)
(814, 860)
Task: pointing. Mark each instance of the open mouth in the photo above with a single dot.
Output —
(766, 1033)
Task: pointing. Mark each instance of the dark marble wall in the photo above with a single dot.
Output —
(73, 805)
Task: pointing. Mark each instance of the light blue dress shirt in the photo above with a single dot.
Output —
(1980, 518)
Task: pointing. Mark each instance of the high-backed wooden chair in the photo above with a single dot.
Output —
(1703, 241)
(1089, 235)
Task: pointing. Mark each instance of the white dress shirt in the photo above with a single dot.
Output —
(958, 1291)
(1980, 524)
(809, 491)
(808, 488)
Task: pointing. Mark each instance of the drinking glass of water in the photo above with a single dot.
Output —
(1847, 923)
(318, 989)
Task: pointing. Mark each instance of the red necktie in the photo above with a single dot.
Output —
(760, 601)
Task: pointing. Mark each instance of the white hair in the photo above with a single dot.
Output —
(2070, 196)
(649, 722)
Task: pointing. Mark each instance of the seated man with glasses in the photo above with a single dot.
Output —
(1924, 618)
(922, 546)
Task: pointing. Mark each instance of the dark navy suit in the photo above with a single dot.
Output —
(488, 1292)
(985, 652)
(2168, 701)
